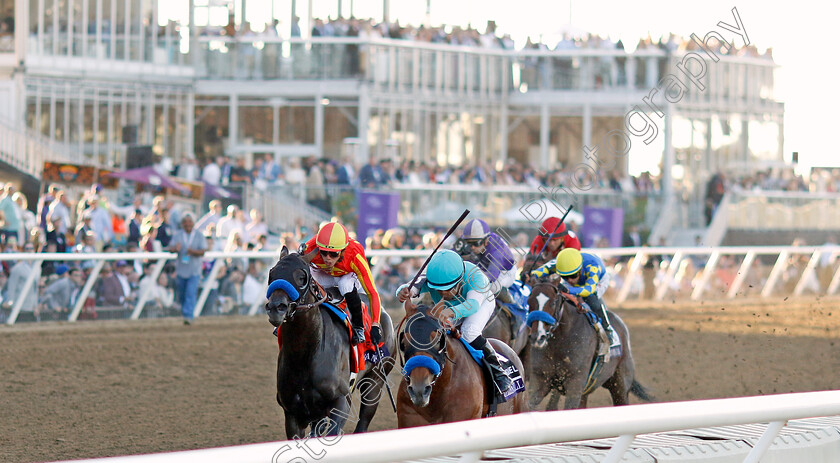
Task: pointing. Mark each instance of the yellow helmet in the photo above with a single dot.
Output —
(569, 262)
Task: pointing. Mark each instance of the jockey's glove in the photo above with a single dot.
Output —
(375, 335)
(415, 291)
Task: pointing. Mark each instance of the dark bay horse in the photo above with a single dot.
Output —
(444, 384)
(562, 354)
(313, 366)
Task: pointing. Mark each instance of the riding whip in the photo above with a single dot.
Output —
(387, 385)
(545, 244)
(451, 229)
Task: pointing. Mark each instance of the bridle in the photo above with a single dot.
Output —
(312, 287)
(439, 356)
(558, 306)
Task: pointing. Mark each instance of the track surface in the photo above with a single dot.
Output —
(94, 389)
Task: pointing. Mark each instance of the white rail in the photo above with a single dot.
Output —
(629, 274)
(471, 437)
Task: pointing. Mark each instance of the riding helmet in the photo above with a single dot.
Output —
(552, 228)
(569, 262)
(475, 229)
(446, 269)
(332, 237)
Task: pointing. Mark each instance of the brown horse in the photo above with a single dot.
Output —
(443, 383)
(562, 353)
(313, 366)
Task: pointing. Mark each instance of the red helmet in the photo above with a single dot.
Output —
(332, 237)
(550, 229)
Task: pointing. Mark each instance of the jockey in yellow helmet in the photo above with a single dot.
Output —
(586, 277)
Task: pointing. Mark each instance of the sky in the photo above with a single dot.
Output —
(795, 30)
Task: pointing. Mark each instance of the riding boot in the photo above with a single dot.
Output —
(500, 378)
(600, 309)
(354, 303)
(504, 296)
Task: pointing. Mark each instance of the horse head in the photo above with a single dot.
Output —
(423, 343)
(545, 310)
(289, 287)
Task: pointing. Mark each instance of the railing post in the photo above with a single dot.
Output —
(781, 265)
(618, 449)
(30, 280)
(808, 272)
(144, 297)
(208, 286)
(708, 270)
(764, 442)
(746, 264)
(83, 294)
(665, 282)
(631, 275)
(835, 282)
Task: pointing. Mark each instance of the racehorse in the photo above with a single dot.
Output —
(563, 353)
(444, 384)
(313, 366)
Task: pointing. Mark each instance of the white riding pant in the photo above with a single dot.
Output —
(345, 283)
(474, 324)
(603, 285)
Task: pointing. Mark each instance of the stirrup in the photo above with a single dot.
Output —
(615, 341)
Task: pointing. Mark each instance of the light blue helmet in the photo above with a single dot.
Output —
(475, 229)
(446, 269)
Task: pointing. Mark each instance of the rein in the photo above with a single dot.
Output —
(316, 290)
(557, 303)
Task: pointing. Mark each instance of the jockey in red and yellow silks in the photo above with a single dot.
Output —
(341, 262)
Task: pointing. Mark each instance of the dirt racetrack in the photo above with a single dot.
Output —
(95, 389)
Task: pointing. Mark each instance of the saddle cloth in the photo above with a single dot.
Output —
(516, 380)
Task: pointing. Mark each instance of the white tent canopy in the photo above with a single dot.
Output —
(538, 210)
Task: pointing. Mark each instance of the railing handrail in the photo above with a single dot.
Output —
(533, 428)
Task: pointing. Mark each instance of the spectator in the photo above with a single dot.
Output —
(715, 190)
(346, 173)
(61, 294)
(190, 246)
(134, 224)
(109, 291)
(11, 214)
(229, 223)
(160, 296)
(17, 278)
(256, 227)
(239, 173)
(371, 175)
(60, 210)
(212, 172)
(211, 217)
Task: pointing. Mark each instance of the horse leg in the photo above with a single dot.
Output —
(338, 415)
(553, 401)
(619, 387)
(539, 389)
(370, 393)
(293, 428)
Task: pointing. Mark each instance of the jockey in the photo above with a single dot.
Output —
(587, 278)
(558, 237)
(465, 293)
(341, 262)
(492, 255)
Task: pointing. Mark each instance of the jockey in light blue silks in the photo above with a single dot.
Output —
(492, 254)
(465, 292)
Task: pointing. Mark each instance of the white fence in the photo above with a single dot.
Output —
(471, 438)
(644, 273)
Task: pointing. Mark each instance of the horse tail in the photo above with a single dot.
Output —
(641, 392)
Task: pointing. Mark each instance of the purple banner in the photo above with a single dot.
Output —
(602, 223)
(376, 210)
